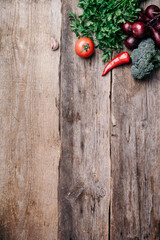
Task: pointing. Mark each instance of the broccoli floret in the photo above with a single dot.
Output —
(156, 59)
(140, 73)
(146, 42)
(145, 59)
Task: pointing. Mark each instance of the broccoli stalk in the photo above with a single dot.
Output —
(145, 59)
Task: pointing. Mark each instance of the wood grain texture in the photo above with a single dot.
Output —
(84, 187)
(29, 119)
(135, 156)
(114, 117)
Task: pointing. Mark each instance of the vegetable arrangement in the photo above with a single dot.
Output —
(101, 21)
(107, 23)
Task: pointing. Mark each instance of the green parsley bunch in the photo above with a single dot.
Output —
(101, 21)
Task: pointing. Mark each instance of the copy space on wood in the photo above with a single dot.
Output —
(29, 91)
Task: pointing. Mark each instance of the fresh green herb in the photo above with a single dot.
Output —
(101, 21)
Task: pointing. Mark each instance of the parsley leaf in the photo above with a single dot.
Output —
(101, 21)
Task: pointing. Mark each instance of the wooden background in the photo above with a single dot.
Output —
(79, 154)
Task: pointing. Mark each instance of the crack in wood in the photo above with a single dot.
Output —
(138, 188)
(109, 221)
(110, 142)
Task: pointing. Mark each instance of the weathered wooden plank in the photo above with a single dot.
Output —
(84, 187)
(29, 142)
(135, 169)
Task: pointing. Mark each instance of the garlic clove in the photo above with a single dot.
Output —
(54, 44)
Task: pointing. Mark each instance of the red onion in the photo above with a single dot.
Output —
(157, 26)
(131, 42)
(143, 17)
(148, 33)
(139, 30)
(152, 10)
(156, 36)
(127, 28)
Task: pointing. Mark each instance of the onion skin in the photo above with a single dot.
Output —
(127, 28)
(143, 17)
(151, 11)
(139, 30)
(149, 33)
(131, 42)
(154, 20)
(156, 36)
(157, 27)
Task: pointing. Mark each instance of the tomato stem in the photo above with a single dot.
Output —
(85, 47)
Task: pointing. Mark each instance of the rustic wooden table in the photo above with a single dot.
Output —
(80, 154)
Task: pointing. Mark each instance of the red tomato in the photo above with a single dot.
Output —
(84, 47)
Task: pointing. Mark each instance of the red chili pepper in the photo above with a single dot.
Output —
(118, 60)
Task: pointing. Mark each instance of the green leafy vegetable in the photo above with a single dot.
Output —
(145, 59)
(101, 21)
